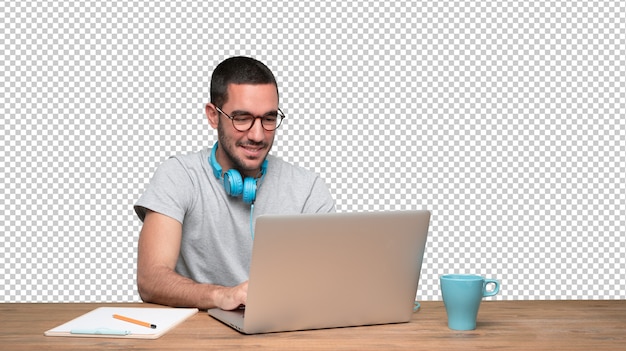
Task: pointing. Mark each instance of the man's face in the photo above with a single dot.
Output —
(245, 151)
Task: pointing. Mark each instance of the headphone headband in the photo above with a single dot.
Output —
(217, 169)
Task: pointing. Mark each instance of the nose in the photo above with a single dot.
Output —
(256, 133)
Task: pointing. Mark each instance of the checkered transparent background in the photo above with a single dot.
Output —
(506, 119)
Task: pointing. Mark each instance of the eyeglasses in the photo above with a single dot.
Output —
(243, 122)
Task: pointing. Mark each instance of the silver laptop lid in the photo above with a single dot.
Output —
(316, 271)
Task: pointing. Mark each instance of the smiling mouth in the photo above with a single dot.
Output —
(253, 151)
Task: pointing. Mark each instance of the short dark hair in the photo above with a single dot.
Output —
(238, 70)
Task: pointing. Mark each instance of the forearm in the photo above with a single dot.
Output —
(166, 287)
(159, 247)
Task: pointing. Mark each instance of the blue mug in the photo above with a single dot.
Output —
(462, 294)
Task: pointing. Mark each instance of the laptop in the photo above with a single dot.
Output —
(316, 271)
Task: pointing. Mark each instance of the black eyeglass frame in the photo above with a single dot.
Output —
(279, 114)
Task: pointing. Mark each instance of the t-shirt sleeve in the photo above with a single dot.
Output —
(320, 200)
(170, 192)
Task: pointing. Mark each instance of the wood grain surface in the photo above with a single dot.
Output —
(502, 325)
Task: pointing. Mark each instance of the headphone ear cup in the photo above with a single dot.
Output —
(249, 190)
(233, 183)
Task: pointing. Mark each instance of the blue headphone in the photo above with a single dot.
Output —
(233, 182)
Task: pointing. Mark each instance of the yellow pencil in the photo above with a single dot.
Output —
(130, 320)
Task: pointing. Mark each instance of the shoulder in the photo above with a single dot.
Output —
(190, 160)
(281, 168)
(189, 163)
(185, 171)
(289, 188)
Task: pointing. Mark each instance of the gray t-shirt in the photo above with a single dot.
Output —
(217, 240)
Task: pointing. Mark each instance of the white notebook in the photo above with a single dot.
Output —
(100, 323)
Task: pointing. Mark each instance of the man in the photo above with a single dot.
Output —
(197, 234)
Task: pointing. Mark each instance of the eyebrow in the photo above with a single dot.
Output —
(243, 112)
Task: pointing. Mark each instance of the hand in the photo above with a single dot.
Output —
(230, 298)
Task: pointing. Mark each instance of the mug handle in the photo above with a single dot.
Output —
(496, 287)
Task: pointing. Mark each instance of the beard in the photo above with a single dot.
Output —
(229, 145)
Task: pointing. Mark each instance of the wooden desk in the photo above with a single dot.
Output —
(511, 325)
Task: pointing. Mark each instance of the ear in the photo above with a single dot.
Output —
(211, 114)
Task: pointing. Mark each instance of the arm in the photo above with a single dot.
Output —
(319, 200)
(157, 282)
